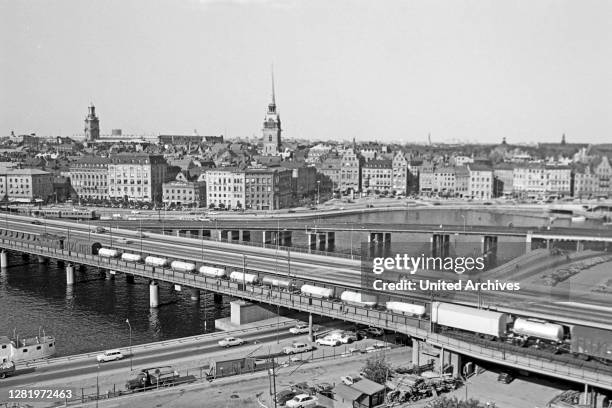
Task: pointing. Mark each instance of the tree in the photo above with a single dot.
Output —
(376, 369)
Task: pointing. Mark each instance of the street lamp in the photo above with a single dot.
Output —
(130, 326)
(463, 216)
(318, 192)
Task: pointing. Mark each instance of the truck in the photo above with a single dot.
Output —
(153, 377)
(7, 368)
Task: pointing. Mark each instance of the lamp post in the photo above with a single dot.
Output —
(130, 326)
(463, 216)
(318, 192)
(140, 234)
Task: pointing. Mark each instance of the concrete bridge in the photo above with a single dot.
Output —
(450, 349)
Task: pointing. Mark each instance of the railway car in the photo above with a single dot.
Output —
(358, 299)
(407, 308)
(212, 272)
(469, 319)
(277, 283)
(181, 266)
(538, 329)
(155, 261)
(241, 277)
(317, 291)
(131, 257)
(108, 253)
(591, 343)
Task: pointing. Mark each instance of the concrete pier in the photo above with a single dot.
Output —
(195, 294)
(129, 278)
(153, 294)
(69, 274)
(42, 259)
(218, 298)
(3, 259)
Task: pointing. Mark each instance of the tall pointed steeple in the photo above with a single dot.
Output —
(272, 105)
(272, 126)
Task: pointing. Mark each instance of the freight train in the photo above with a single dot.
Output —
(580, 341)
(586, 343)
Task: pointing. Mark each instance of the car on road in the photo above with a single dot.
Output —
(375, 347)
(302, 328)
(7, 369)
(283, 396)
(362, 334)
(505, 378)
(99, 230)
(297, 348)
(302, 401)
(36, 222)
(203, 219)
(375, 331)
(124, 241)
(231, 341)
(350, 379)
(109, 355)
(328, 341)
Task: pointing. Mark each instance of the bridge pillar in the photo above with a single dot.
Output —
(310, 334)
(3, 259)
(440, 245)
(312, 241)
(579, 246)
(245, 235)
(195, 294)
(285, 238)
(206, 234)
(321, 241)
(153, 295)
(42, 259)
(489, 249)
(69, 274)
(177, 233)
(268, 238)
(331, 241)
(528, 243)
(129, 278)
(233, 235)
(457, 362)
(416, 352)
(218, 298)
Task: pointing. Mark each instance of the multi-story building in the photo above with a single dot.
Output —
(505, 173)
(586, 182)
(303, 179)
(26, 185)
(377, 176)
(603, 171)
(481, 182)
(184, 192)
(225, 187)
(426, 178)
(136, 177)
(444, 181)
(331, 167)
(528, 180)
(350, 171)
(267, 188)
(89, 177)
(400, 173)
(462, 181)
(558, 180)
(461, 160)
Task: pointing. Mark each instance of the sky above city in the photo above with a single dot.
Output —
(469, 71)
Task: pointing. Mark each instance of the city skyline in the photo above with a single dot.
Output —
(464, 71)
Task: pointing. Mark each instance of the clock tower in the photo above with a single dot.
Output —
(271, 128)
(92, 125)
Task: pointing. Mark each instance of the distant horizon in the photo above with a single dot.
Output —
(463, 71)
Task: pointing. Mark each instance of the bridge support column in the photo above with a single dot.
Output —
(206, 234)
(42, 259)
(322, 241)
(489, 249)
(69, 274)
(233, 235)
(440, 245)
(331, 241)
(268, 238)
(153, 295)
(456, 361)
(416, 352)
(129, 278)
(218, 298)
(195, 294)
(3, 259)
(579, 246)
(245, 235)
(528, 243)
(310, 334)
(586, 394)
(312, 241)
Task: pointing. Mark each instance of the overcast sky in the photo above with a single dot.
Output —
(374, 70)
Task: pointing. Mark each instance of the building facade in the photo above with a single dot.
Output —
(444, 181)
(481, 182)
(225, 188)
(268, 188)
(184, 192)
(92, 125)
(377, 176)
(136, 177)
(400, 173)
(89, 177)
(26, 185)
(350, 171)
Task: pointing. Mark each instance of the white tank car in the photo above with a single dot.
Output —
(316, 291)
(155, 261)
(131, 257)
(241, 277)
(469, 319)
(212, 271)
(359, 299)
(540, 330)
(182, 266)
(408, 308)
(277, 283)
(108, 253)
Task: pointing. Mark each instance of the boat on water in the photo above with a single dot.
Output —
(26, 349)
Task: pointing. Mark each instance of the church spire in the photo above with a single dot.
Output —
(273, 95)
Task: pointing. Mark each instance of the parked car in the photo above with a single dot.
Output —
(350, 379)
(100, 230)
(283, 396)
(304, 388)
(361, 334)
(36, 222)
(231, 341)
(109, 355)
(375, 331)
(300, 328)
(505, 377)
(302, 401)
(297, 348)
(328, 341)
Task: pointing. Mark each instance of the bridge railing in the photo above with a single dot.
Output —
(371, 317)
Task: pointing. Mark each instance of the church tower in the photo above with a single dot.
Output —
(92, 125)
(272, 128)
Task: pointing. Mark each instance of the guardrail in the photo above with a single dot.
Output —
(412, 326)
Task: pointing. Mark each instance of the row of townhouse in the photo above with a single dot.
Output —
(25, 185)
(474, 181)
